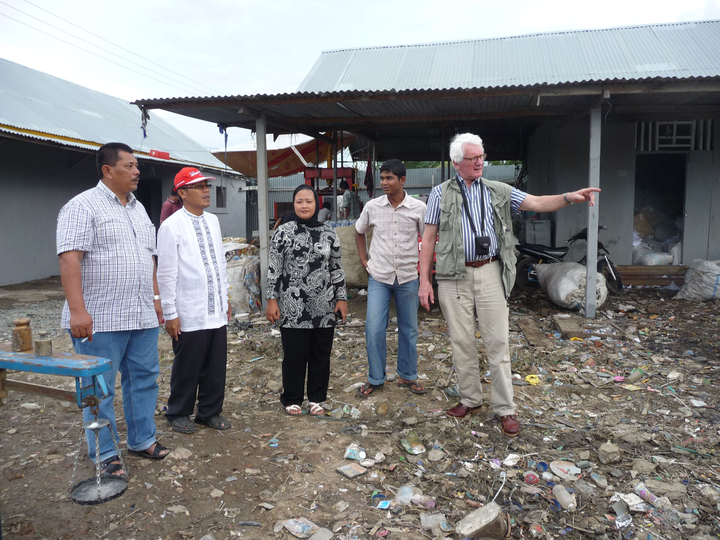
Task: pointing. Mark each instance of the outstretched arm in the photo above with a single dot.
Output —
(550, 203)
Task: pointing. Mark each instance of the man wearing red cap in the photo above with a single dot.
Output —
(193, 285)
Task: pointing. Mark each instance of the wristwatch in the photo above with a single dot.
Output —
(157, 297)
(566, 199)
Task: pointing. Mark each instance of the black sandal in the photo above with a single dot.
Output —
(111, 466)
(182, 424)
(367, 389)
(215, 422)
(155, 454)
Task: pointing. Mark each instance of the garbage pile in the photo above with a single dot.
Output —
(619, 437)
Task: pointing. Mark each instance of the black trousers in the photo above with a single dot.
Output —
(306, 350)
(198, 372)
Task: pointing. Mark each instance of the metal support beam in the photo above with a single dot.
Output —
(592, 231)
(262, 178)
(335, 177)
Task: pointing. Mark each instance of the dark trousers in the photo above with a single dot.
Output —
(306, 350)
(198, 372)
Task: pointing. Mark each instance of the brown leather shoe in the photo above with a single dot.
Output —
(510, 425)
(461, 411)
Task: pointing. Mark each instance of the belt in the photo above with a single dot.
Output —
(478, 264)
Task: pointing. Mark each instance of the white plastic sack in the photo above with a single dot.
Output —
(702, 281)
(644, 256)
(244, 284)
(564, 283)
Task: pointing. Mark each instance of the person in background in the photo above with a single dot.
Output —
(170, 206)
(193, 284)
(397, 220)
(105, 247)
(325, 213)
(350, 207)
(306, 296)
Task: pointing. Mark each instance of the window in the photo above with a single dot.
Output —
(220, 197)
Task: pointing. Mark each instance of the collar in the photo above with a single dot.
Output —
(111, 194)
(190, 214)
(386, 200)
(476, 181)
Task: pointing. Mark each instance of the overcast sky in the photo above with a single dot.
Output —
(177, 48)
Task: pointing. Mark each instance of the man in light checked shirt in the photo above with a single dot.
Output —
(471, 219)
(397, 220)
(105, 246)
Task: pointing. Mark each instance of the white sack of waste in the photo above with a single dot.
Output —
(564, 283)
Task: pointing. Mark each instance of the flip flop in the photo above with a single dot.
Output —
(362, 390)
(215, 422)
(155, 454)
(182, 424)
(414, 387)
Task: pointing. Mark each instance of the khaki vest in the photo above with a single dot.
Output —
(450, 261)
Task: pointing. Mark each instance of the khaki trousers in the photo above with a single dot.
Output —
(480, 295)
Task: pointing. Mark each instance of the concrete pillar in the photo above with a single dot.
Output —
(262, 178)
(592, 232)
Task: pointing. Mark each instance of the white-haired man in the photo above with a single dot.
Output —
(475, 270)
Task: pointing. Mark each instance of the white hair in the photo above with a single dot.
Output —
(457, 145)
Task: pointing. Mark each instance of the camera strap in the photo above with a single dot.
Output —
(467, 209)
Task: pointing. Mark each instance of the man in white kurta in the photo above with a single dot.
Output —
(193, 284)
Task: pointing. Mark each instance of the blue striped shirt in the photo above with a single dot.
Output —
(432, 216)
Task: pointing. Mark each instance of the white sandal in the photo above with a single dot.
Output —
(316, 409)
(293, 410)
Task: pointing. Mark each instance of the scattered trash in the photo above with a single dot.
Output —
(412, 443)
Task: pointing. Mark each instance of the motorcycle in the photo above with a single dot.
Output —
(532, 254)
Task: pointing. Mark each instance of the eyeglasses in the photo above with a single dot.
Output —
(201, 187)
(475, 159)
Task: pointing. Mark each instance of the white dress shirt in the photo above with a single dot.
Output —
(191, 271)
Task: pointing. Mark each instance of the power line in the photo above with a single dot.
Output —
(123, 48)
(94, 54)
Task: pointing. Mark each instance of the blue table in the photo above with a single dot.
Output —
(64, 364)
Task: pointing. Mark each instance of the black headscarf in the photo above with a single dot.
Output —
(313, 221)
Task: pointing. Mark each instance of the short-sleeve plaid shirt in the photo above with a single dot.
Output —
(117, 267)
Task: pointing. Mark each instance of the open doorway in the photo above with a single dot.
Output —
(659, 208)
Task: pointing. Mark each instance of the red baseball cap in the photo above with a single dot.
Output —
(189, 175)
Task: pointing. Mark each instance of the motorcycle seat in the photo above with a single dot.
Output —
(557, 252)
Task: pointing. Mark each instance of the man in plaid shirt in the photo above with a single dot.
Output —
(105, 246)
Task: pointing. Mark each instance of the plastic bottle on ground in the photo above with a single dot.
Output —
(566, 500)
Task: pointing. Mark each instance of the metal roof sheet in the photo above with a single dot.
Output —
(668, 51)
(39, 106)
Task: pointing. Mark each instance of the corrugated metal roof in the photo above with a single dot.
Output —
(39, 106)
(668, 51)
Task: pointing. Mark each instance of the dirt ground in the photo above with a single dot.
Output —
(271, 467)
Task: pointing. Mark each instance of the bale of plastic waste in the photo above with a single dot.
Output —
(565, 282)
(702, 281)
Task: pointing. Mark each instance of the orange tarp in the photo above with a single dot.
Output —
(282, 162)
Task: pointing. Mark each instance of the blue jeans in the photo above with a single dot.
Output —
(376, 322)
(135, 354)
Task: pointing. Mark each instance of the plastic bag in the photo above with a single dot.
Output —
(564, 283)
(243, 276)
(702, 281)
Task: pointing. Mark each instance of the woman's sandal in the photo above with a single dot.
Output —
(316, 409)
(111, 467)
(293, 410)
